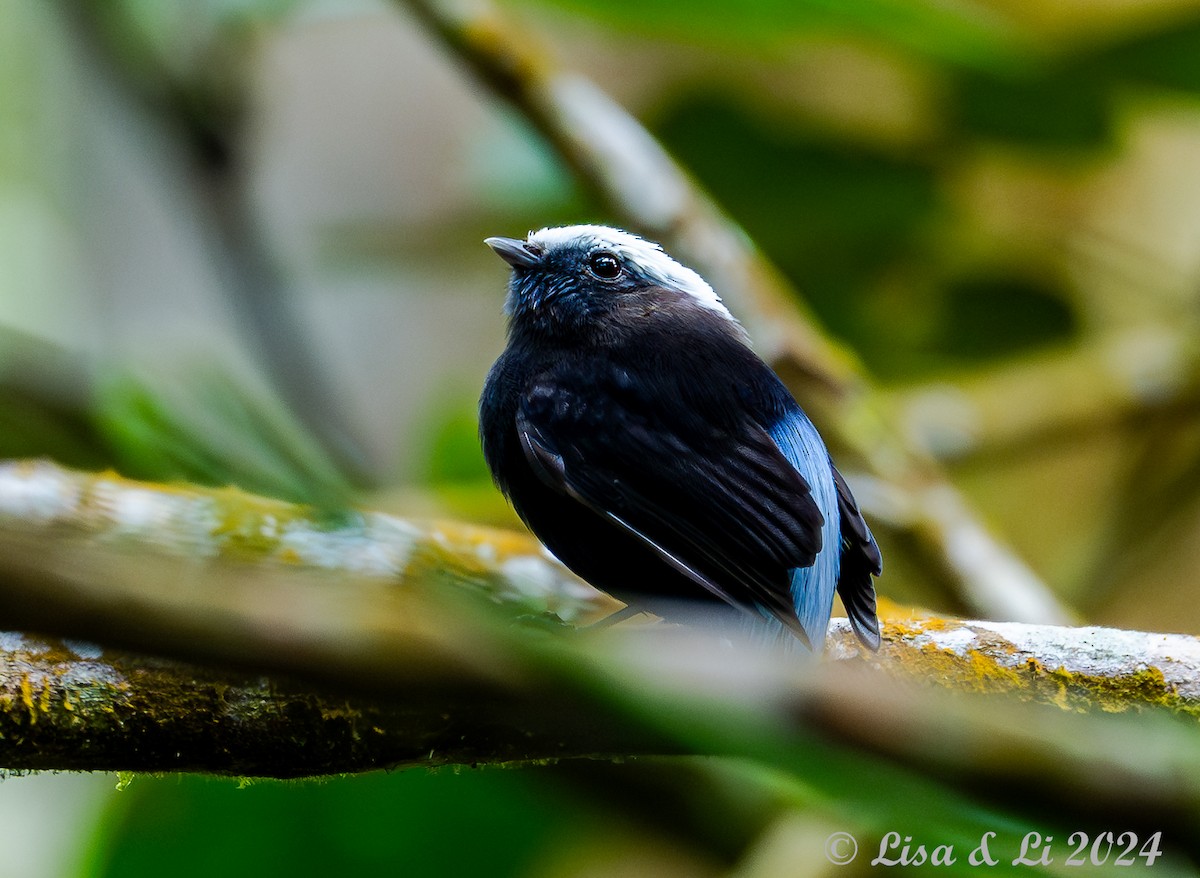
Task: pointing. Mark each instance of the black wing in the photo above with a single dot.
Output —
(860, 561)
(722, 505)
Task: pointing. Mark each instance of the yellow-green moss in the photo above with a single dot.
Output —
(1144, 687)
(249, 527)
(989, 666)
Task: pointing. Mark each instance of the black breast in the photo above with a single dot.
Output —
(661, 378)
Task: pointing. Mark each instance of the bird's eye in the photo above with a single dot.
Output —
(604, 265)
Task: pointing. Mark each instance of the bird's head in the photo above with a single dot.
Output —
(577, 278)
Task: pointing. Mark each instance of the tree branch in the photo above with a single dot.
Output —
(224, 576)
(632, 174)
(374, 609)
(72, 706)
(69, 705)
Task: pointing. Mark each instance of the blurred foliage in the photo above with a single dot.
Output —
(41, 412)
(1071, 109)
(835, 215)
(957, 32)
(453, 473)
(991, 316)
(452, 435)
(210, 430)
(411, 823)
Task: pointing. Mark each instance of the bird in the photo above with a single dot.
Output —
(640, 438)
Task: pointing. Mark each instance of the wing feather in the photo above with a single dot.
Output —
(723, 506)
(861, 560)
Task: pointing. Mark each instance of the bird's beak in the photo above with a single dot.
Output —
(518, 254)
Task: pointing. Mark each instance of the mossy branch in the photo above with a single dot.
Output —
(374, 657)
(71, 705)
(1082, 668)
